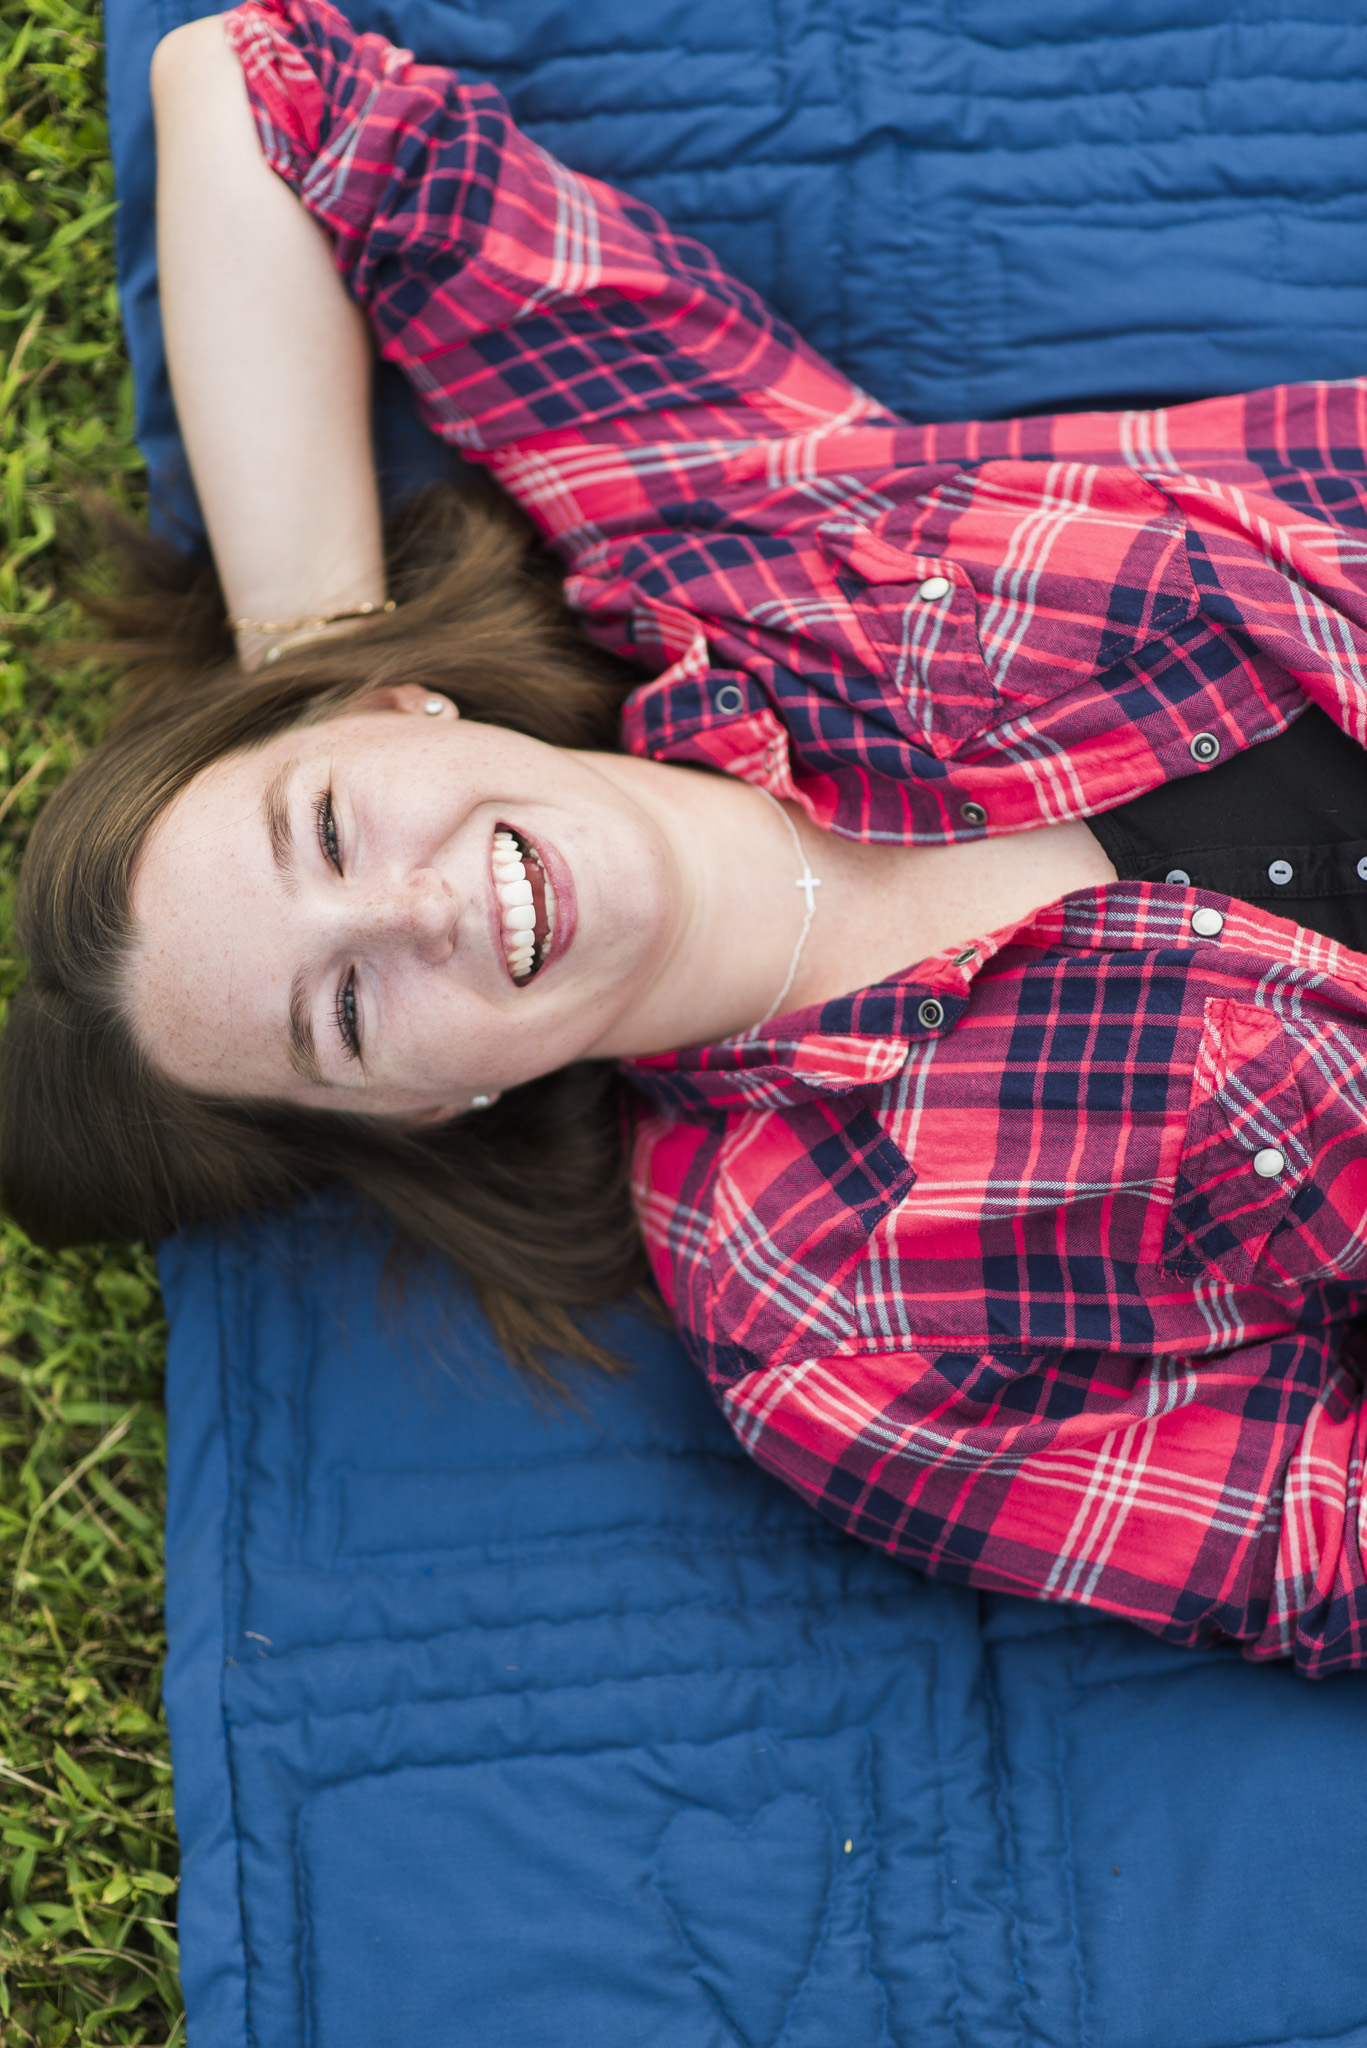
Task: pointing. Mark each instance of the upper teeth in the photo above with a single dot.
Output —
(517, 905)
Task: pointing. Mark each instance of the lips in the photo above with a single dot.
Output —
(526, 901)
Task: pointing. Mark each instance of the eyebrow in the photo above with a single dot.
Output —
(275, 812)
(303, 1050)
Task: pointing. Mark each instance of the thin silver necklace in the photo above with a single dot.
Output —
(809, 884)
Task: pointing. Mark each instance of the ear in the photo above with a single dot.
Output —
(413, 701)
(440, 1113)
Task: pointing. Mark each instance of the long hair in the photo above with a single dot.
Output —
(529, 1197)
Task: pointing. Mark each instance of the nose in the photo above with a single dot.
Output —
(415, 910)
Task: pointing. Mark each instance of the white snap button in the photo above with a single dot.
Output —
(931, 1014)
(1362, 868)
(933, 587)
(1268, 1163)
(1280, 872)
(1207, 923)
(730, 698)
(1178, 875)
(1205, 748)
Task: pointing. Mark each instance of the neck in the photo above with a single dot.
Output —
(738, 906)
(739, 903)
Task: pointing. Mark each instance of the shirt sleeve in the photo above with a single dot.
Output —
(523, 301)
(1208, 1500)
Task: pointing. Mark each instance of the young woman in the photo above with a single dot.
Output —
(995, 1021)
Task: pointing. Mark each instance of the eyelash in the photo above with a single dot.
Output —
(346, 995)
(346, 1016)
(327, 830)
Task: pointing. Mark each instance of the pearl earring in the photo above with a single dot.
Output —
(483, 1101)
(434, 706)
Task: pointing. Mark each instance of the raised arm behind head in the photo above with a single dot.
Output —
(269, 357)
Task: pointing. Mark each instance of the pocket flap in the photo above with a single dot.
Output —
(1248, 1149)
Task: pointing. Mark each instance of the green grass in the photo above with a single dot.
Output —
(87, 1848)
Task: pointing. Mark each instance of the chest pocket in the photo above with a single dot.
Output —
(1006, 583)
(1272, 1186)
(796, 1199)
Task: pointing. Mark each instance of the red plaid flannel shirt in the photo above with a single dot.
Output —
(976, 1259)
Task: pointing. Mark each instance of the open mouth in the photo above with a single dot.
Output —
(526, 901)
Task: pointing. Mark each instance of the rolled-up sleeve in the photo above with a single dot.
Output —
(520, 298)
(1208, 1500)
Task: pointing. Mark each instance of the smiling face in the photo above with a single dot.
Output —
(341, 917)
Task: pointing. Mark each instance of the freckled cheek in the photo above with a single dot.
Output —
(480, 1053)
(432, 1041)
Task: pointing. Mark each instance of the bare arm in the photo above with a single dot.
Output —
(269, 357)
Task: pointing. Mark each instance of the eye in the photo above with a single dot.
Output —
(346, 1016)
(327, 830)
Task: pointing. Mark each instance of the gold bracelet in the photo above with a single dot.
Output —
(360, 611)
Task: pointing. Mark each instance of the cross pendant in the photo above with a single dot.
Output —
(808, 883)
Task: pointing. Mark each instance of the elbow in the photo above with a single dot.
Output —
(187, 59)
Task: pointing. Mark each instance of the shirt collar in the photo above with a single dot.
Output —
(861, 1040)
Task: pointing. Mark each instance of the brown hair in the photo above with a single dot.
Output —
(529, 1197)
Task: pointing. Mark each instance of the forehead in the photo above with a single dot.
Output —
(217, 819)
(210, 964)
(228, 798)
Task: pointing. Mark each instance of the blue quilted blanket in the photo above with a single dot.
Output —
(528, 1727)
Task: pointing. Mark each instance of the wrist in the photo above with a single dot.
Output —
(260, 641)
